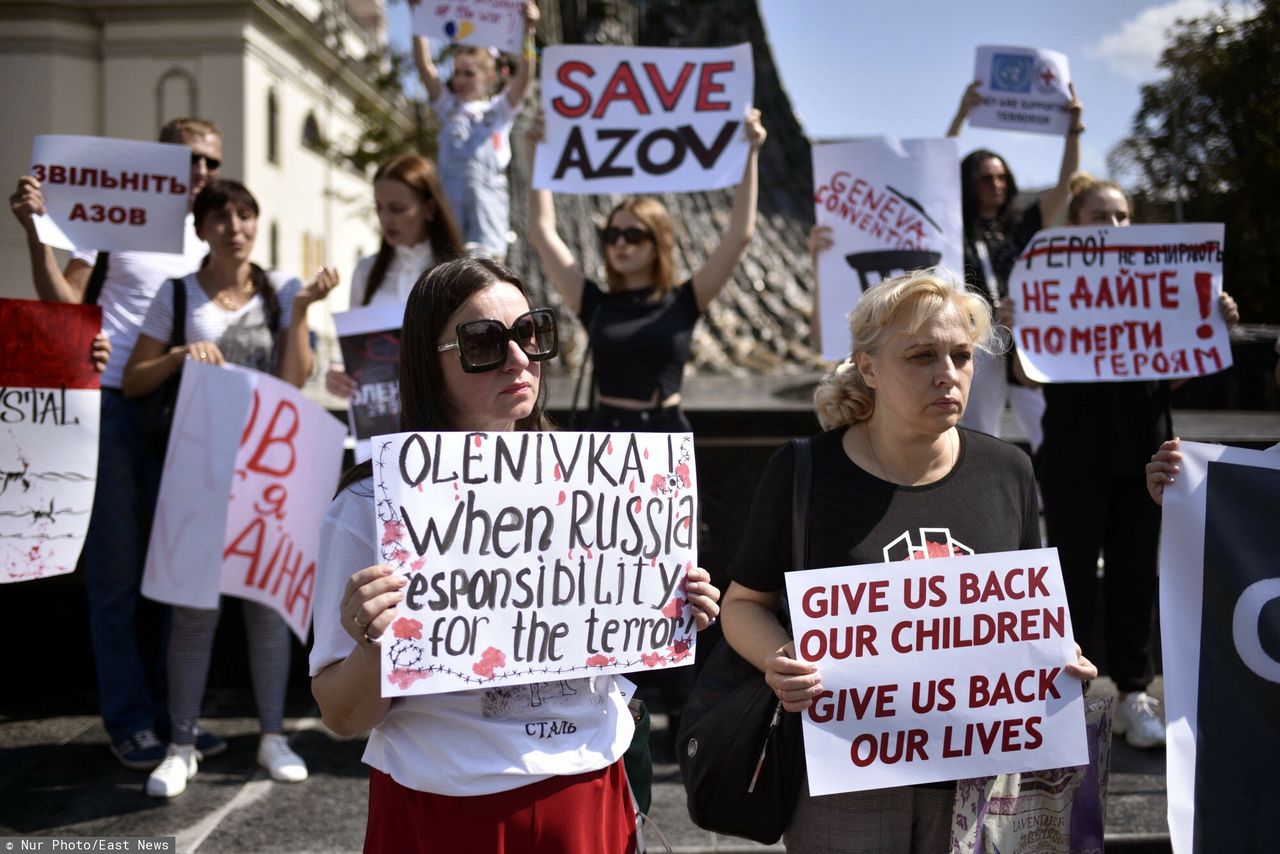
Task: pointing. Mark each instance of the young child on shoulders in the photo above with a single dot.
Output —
(475, 126)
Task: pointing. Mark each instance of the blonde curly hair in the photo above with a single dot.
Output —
(842, 397)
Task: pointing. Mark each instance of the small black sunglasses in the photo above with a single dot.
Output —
(210, 163)
(482, 344)
(633, 236)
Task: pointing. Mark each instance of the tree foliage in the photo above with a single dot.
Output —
(1205, 145)
(380, 140)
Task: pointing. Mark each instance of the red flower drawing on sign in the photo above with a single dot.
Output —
(404, 679)
(682, 471)
(407, 629)
(392, 531)
(674, 608)
(652, 659)
(659, 484)
(399, 556)
(489, 659)
(679, 650)
(599, 660)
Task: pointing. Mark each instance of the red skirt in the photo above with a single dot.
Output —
(583, 814)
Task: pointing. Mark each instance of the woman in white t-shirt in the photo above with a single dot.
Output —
(515, 768)
(418, 230)
(235, 313)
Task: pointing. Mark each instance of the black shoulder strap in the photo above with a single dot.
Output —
(96, 277)
(178, 335)
(801, 486)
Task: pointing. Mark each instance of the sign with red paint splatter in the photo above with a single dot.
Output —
(49, 405)
(248, 476)
(1117, 304)
(535, 557)
(947, 666)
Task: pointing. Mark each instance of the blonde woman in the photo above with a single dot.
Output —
(893, 461)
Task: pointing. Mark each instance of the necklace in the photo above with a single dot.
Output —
(884, 474)
(224, 299)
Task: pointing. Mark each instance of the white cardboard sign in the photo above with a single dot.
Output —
(892, 205)
(111, 194)
(643, 119)
(1023, 89)
(1107, 304)
(481, 23)
(937, 669)
(533, 557)
(249, 473)
(49, 416)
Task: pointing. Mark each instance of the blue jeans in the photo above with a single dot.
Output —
(115, 551)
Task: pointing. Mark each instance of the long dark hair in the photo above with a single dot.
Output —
(438, 293)
(215, 196)
(969, 189)
(419, 175)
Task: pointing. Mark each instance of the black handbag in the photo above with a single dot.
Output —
(741, 755)
(154, 413)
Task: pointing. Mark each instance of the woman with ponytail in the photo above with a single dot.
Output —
(893, 468)
(235, 313)
(418, 232)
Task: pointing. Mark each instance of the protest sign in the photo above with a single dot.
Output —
(1022, 89)
(643, 119)
(533, 557)
(480, 23)
(1220, 618)
(937, 669)
(249, 473)
(1104, 304)
(370, 342)
(49, 407)
(892, 205)
(111, 194)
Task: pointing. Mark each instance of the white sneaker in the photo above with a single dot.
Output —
(281, 762)
(1138, 720)
(170, 777)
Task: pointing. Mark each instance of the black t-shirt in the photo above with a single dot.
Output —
(1096, 430)
(986, 503)
(638, 343)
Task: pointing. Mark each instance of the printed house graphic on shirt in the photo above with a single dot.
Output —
(933, 542)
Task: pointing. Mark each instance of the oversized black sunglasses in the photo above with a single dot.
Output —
(210, 163)
(633, 236)
(482, 344)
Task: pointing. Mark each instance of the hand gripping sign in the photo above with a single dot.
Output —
(49, 406)
(1022, 89)
(248, 476)
(111, 194)
(643, 119)
(1104, 304)
(481, 23)
(534, 557)
(937, 668)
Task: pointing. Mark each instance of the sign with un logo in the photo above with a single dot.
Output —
(1011, 72)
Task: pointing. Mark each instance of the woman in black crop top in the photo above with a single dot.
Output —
(641, 325)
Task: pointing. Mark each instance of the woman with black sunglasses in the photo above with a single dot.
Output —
(641, 327)
(466, 771)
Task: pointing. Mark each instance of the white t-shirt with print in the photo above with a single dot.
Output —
(241, 335)
(131, 282)
(460, 118)
(469, 742)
